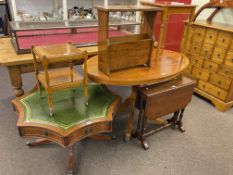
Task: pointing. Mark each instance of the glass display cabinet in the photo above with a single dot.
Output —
(61, 21)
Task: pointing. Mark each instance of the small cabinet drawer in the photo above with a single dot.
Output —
(210, 66)
(220, 81)
(213, 90)
(197, 61)
(195, 48)
(231, 46)
(211, 36)
(199, 34)
(40, 132)
(219, 55)
(207, 50)
(200, 74)
(88, 130)
(226, 72)
(229, 59)
(224, 39)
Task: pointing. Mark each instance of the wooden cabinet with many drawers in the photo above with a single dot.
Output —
(210, 49)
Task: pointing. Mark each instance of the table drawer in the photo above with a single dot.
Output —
(210, 66)
(220, 81)
(200, 74)
(224, 39)
(207, 50)
(40, 132)
(89, 130)
(211, 36)
(229, 59)
(219, 54)
(197, 61)
(213, 90)
(199, 34)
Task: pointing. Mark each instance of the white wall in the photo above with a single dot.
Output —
(225, 16)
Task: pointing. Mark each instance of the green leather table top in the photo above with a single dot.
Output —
(69, 106)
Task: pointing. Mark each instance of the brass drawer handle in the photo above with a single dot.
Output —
(88, 130)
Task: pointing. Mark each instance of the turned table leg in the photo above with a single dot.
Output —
(16, 80)
(70, 161)
(131, 116)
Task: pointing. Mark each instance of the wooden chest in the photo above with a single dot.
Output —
(210, 49)
(125, 52)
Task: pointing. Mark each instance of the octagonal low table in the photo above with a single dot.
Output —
(72, 119)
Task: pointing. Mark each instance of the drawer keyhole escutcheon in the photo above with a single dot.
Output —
(45, 133)
(88, 130)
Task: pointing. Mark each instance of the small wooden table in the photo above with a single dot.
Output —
(170, 65)
(19, 64)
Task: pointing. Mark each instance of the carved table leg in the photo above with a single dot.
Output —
(143, 130)
(179, 122)
(131, 116)
(16, 80)
(139, 124)
(70, 161)
(38, 142)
